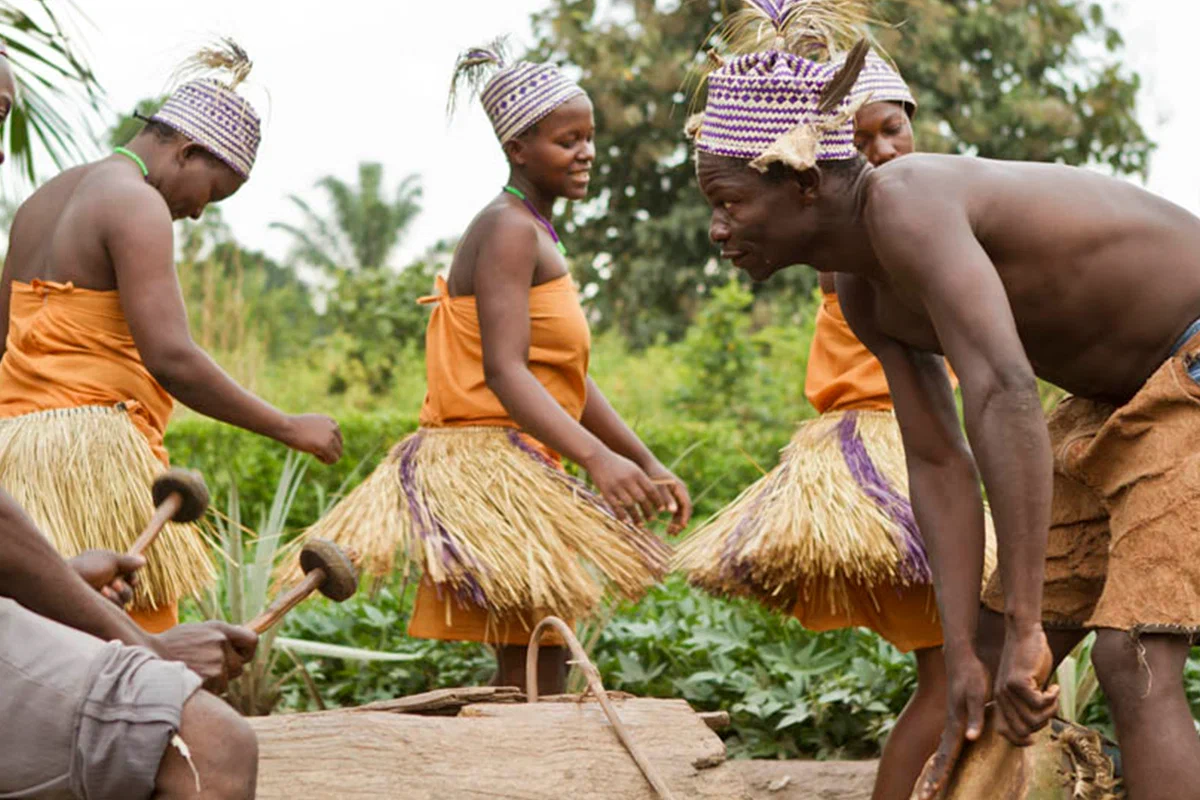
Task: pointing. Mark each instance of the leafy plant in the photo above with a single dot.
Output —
(249, 562)
(58, 96)
(1076, 678)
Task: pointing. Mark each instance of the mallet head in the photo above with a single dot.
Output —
(341, 574)
(190, 487)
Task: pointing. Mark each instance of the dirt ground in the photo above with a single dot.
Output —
(807, 780)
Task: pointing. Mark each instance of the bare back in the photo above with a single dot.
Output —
(1101, 276)
(59, 233)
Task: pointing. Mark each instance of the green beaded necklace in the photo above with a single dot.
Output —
(562, 248)
(125, 151)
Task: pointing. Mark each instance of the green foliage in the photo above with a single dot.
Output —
(1036, 80)
(228, 456)
(723, 355)
(791, 693)
(247, 562)
(377, 622)
(128, 126)
(58, 96)
(378, 325)
(364, 226)
(1028, 81)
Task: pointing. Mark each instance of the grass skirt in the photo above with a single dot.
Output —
(84, 476)
(833, 513)
(489, 519)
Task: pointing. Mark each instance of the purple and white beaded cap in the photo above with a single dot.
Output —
(879, 82)
(767, 103)
(517, 96)
(211, 113)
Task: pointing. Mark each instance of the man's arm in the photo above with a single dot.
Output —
(924, 239)
(34, 575)
(140, 243)
(37, 577)
(943, 482)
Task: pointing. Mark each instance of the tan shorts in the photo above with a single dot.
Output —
(1124, 544)
(79, 717)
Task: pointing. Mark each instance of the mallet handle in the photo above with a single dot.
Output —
(287, 601)
(162, 515)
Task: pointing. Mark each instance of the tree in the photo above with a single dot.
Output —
(58, 96)
(997, 78)
(364, 227)
(128, 126)
(377, 326)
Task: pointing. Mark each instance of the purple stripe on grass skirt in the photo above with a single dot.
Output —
(732, 563)
(429, 528)
(914, 561)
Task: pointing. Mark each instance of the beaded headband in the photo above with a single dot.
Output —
(517, 96)
(212, 114)
(880, 82)
(782, 99)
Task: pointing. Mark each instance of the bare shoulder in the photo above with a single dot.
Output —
(501, 226)
(508, 241)
(916, 184)
(125, 202)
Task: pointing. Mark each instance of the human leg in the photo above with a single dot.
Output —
(917, 730)
(1142, 678)
(989, 640)
(222, 755)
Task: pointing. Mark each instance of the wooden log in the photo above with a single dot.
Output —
(446, 702)
(523, 751)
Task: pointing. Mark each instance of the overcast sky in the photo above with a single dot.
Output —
(366, 80)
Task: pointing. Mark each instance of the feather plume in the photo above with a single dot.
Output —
(474, 68)
(810, 28)
(837, 89)
(225, 56)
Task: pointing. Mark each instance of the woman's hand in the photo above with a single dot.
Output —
(629, 492)
(679, 502)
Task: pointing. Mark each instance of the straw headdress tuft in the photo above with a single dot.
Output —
(814, 29)
(209, 111)
(515, 96)
(782, 97)
(225, 57)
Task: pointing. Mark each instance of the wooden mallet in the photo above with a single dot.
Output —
(327, 568)
(179, 496)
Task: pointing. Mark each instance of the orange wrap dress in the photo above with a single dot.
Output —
(457, 395)
(69, 347)
(843, 375)
(503, 535)
(828, 535)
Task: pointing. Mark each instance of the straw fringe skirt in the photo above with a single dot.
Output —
(494, 524)
(833, 514)
(84, 476)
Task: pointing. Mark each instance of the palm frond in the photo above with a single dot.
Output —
(56, 112)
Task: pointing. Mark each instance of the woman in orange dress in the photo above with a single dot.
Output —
(828, 535)
(478, 497)
(97, 347)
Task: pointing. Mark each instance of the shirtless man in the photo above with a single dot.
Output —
(1013, 271)
(90, 703)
